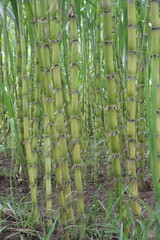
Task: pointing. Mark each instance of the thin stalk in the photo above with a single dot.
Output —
(142, 131)
(26, 120)
(98, 86)
(19, 94)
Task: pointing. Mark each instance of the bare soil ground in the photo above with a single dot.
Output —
(19, 191)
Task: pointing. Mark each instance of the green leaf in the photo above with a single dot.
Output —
(15, 11)
(10, 109)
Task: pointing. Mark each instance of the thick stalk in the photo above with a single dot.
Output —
(131, 106)
(43, 56)
(35, 87)
(59, 107)
(155, 68)
(111, 88)
(75, 109)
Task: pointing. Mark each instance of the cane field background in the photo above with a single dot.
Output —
(79, 119)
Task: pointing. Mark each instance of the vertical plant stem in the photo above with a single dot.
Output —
(98, 86)
(59, 107)
(155, 106)
(111, 88)
(26, 120)
(75, 109)
(142, 131)
(131, 106)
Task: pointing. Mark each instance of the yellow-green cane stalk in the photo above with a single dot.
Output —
(49, 109)
(26, 120)
(111, 88)
(36, 87)
(19, 94)
(87, 88)
(47, 141)
(119, 78)
(84, 102)
(75, 109)
(85, 98)
(55, 135)
(131, 106)
(47, 156)
(2, 110)
(6, 74)
(59, 105)
(19, 88)
(65, 55)
(43, 56)
(36, 118)
(65, 48)
(142, 131)
(98, 86)
(1, 69)
(155, 103)
(31, 78)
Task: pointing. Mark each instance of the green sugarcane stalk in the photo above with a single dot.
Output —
(43, 57)
(119, 78)
(119, 51)
(142, 131)
(98, 86)
(111, 88)
(2, 111)
(19, 88)
(84, 103)
(75, 110)
(65, 74)
(62, 157)
(86, 90)
(47, 155)
(88, 94)
(7, 78)
(31, 80)
(131, 106)
(26, 120)
(59, 107)
(47, 84)
(155, 78)
(19, 109)
(35, 86)
(36, 118)
(43, 60)
(65, 48)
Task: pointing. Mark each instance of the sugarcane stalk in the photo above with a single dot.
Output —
(26, 120)
(155, 78)
(131, 107)
(111, 88)
(142, 130)
(75, 110)
(59, 107)
(98, 86)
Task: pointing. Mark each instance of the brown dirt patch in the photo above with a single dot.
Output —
(21, 193)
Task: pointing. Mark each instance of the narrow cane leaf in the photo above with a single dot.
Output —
(9, 105)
